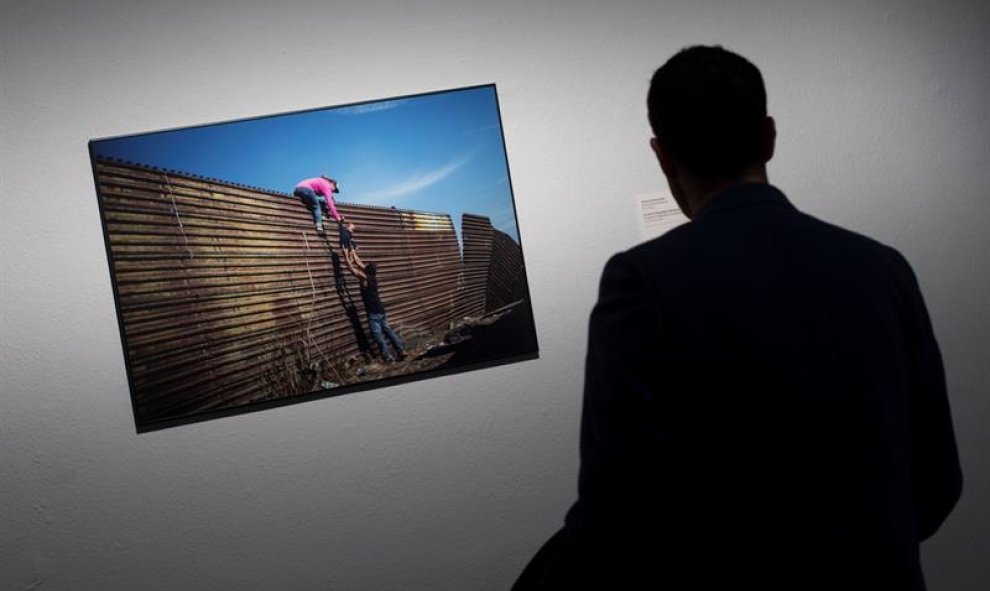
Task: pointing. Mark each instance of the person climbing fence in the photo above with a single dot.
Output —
(317, 195)
(347, 242)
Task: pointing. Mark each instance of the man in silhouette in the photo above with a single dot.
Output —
(765, 404)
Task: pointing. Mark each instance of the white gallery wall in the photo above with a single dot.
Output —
(883, 112)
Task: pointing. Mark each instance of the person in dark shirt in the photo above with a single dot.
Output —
(373, 306)
(347, 242)
(764, 404)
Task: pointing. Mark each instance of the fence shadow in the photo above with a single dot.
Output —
(347, 304)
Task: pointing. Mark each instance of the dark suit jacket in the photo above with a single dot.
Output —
(765, 408)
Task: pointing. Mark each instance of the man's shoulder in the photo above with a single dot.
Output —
(845, 244)
(675, 238)
(763, 230)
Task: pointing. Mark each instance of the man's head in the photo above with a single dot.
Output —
(708, 110)
(371, 269)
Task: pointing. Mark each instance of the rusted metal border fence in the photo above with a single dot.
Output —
(219, 283)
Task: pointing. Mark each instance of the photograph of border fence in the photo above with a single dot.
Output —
(235, 292)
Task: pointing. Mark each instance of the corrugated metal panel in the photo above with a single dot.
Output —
(506, 279)
(476, 232)
(221, 287)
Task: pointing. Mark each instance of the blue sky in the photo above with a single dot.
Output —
(439, 152)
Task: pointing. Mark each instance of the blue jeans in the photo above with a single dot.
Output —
(379, 324)
(315, 203)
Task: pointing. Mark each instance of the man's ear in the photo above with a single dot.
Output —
(667, 163)
(769, 139)
(663, 157)
(672, 173)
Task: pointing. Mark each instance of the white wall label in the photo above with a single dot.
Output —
(658, 213)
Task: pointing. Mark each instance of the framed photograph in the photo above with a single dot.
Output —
(296, 256)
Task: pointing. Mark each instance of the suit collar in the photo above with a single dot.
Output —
(743, 195)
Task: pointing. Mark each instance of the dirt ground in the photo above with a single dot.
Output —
(425, 351)
(501, 333)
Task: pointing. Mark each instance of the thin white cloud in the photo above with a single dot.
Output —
(371, 107)
(418, 182)
(483, 129)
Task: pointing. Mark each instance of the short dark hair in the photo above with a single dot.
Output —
(371, 269)
(708, 107)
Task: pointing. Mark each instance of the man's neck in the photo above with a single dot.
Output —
(699, 191)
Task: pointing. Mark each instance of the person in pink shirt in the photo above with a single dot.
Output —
(317, 195)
